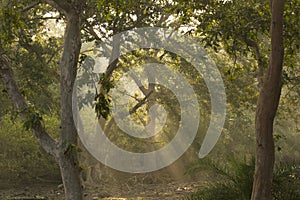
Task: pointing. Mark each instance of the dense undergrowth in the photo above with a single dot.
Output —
(21, 157)
(236, 178)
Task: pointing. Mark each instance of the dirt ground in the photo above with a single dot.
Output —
(54, 191)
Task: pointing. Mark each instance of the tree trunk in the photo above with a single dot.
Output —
(66, 150)
(266, 108)
(70, 176)
(68, 158)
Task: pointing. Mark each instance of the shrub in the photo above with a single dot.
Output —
(237, 179)
(286, 181)
(21, 157)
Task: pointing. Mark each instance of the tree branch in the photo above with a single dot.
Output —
(6, 74)
(139, 104)
(30, 6)
(61, 5)
(137, 81)
(89, 28)
(260, 65)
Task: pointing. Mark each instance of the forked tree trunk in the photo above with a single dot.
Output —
(266, 108)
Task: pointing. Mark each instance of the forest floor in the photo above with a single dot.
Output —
(54, 191)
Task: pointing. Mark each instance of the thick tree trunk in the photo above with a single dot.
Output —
(68, 158)
(64, 151)
(266, 108)
(70, 176)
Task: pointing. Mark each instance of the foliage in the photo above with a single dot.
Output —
(10, 21)
(102, 100)
(286, 180)
(113, 16)
(226, 27)
(236, 25)
(21, 157)
(237, 178)
(32, 53)
(33, 119)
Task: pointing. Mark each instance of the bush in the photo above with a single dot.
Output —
(21, 157)
(237, 179)
(286, 181)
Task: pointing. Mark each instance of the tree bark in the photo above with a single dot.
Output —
(65, 151)
(68, 158)
(266, 108)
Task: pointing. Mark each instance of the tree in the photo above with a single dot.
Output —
(65, 150)
(241, 28)
(267, 106)
(111, 19)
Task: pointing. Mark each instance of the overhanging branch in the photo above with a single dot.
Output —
(61, 5)
(30, 6)
(6, 74)
(258, 57)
